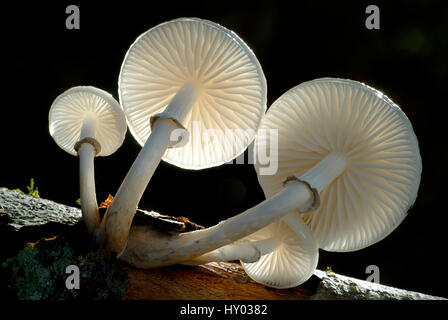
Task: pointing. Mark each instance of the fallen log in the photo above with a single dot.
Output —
(43, 238)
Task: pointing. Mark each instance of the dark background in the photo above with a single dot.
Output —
(295, 42)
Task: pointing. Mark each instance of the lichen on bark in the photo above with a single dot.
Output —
(38, 272)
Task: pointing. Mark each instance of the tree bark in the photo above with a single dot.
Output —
(25, 219)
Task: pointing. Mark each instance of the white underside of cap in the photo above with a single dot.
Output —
(69, 110)
(292, 262)
(371, 197)
(232, 89)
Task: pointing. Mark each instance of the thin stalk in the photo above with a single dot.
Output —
(118, 218)
(190, 245)
(89, 205)
(325, 171)
(86, 153)
(186, 246)
(248, 252)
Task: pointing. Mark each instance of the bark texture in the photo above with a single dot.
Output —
(40, 237)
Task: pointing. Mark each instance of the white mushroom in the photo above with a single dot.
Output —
(281, 255)
(184, 77)
(87, 122)
(334, 122)
(292, 262)
(340, 143)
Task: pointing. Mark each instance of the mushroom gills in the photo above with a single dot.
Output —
(208, 74)
(356, 131)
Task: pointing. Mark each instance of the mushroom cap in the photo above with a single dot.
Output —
(230, 80)
(371, 197)
(292, 262)
(69, 110)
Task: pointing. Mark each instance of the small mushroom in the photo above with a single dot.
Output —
(292, 262)
(343, 123)
(281, 255)
(87, 122)
(184, 84)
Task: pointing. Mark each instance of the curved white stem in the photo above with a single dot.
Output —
(117, 221)
(186, 246)
(89, 205)
(86, 153)
(182, 102)
(190, 245)
(325, 171)
(249, 251)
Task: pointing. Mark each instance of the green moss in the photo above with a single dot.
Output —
(329, 270)
(38, 272)
(32, 189)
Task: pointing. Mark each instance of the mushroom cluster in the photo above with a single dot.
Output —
(193, 94)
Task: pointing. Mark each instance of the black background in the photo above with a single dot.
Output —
(294, 41)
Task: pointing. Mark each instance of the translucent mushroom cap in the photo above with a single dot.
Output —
(72, 107)
(292, 262)
(372, 196)
(231, 84)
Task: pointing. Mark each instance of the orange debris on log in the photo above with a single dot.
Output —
(106, 203)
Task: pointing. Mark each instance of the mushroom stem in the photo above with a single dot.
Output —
(89, 205)
(182, 102)
(295, 195)
(248, 252)
(118, 218)
(187, 246)
(86, 153)
(88, 127)
(325, 171)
